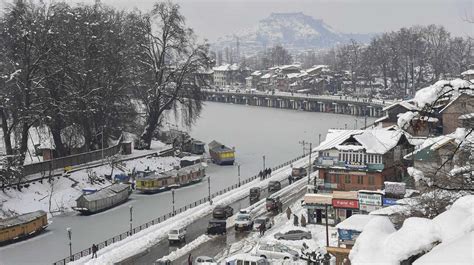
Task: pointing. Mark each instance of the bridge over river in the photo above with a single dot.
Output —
(318, 103)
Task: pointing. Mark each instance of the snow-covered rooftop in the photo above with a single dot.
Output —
(406, 104)
(429, 95)
(380, 243)
(468, 72)
(356, 222)
(375, 141)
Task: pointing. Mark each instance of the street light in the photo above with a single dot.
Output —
(238, 172)
(356, 124)
(131, 218)
(263, 162)
(69, 234)
(209, 189)
(172, 194)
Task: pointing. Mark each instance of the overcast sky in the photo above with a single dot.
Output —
(214, 18)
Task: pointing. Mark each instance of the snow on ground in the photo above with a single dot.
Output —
(148, 237)
(186, 248)
(67, 190)
(380, 243)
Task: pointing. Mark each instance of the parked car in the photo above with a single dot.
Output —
(177, 235)
(243, 221)
(217, 227)
(222, 212)
(262, 221)
(273, 204)
(239, 259)
(276, 251)
(274, 186)
(254, 194)
(204, 260)
(293, 235)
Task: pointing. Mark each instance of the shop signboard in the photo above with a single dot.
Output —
(369, 208)
(347, 236)
(389, 201)
(348, 204)
(370, 198)
(355, 165)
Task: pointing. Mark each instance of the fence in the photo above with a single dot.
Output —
(71, 160)
(117, 238)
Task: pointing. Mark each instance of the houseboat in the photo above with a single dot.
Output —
(155, 182)
(22, 226)
(103, 199)
(221, 154)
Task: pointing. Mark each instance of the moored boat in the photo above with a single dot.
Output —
(103, 199)
(221, 154)
(156, 182)
(22, 226)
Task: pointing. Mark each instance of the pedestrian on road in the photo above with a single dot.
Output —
(288, 213)
(94, 250)
(270, 172)
(303, 221)
(190, 259)
(260, 174)
(262, 229)
(295, 220)
(289, 179)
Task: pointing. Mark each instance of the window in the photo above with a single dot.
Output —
(327, 178)
(339, 156)
(365, 159)
(337, 178)
(360, 179)
(371, 180)
(347, 179)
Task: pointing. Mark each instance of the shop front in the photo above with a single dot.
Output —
(345, 204)
(318, 205)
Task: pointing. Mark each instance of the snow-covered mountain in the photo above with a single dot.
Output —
(295, 31)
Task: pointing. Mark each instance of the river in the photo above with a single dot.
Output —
(253, 131)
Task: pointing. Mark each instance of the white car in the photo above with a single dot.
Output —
(204, 260)
(177, 235)
(276, 251)
(243, 221)
(262, 221)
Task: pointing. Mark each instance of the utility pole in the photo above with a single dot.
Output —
(131, 219)
(102, 144)
(355, 124)
(319, 139)
(172, 195)
(69, 233)
(263, 162)
(302, 143)
(365, 121)
(327, 228)
(238, 172)
(310, 164)
(209, 189)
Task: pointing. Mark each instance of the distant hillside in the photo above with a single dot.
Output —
(295, 31)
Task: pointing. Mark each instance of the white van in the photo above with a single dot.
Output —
(177, 235)
(245, 259)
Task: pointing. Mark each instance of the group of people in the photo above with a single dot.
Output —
(296, 221)
(263, 174)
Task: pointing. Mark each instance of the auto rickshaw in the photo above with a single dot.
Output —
(254, 194)
(217, 227)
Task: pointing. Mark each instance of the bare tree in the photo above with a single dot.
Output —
(166, 74)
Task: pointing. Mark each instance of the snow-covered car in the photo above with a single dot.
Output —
(262, 221)
(293, 235)
(204, 260)
(246, 259)
(275, 251)
(243, 221)
(177, 235)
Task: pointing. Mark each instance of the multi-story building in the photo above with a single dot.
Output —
(362, 159)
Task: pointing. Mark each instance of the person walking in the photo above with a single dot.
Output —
(288, 213)
(262, 229)
(295, 220)
(289, 180)
(190, 259)
(303, 221)
(94, 250)
(260, 174)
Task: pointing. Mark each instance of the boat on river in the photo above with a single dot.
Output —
(103, 199)
(221, 154)
(153, 182)
(22, 226)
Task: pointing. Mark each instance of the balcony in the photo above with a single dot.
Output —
(329, 162)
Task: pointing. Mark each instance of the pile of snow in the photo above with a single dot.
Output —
(186, 248)
(380, 243)
(356, 222)
(428, 95)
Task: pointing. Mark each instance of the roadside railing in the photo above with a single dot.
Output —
(122, 236)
